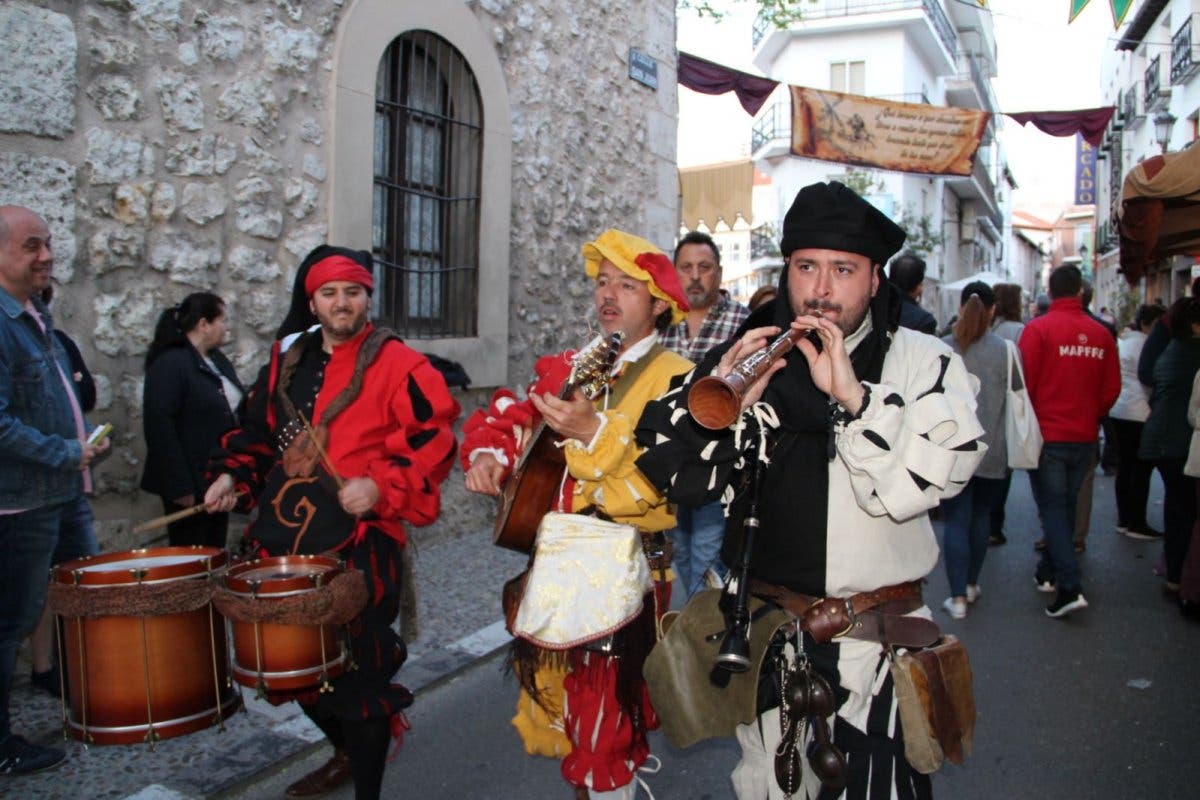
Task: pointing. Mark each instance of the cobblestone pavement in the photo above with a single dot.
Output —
(458, 593)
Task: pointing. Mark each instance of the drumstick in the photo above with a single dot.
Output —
(160, 522)
(312, 437)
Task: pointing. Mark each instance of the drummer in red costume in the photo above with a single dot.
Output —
(592, 708)
(384, 416)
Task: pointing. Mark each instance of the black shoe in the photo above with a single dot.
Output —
(324, 779)
(1044, 583)
(1144, 533)
(997, 539)
(1066, 602)
(19, 757)
(46, 681)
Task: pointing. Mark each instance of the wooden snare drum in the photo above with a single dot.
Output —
(276, 657)
(151, 674)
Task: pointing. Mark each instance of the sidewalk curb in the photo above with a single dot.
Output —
(428, 671)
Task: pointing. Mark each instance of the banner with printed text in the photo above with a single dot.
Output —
(907, 137)
(1085, 172)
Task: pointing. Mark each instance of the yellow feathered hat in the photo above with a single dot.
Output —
(638, 258)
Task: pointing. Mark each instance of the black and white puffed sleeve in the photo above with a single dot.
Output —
(690, 464)
(918, 440)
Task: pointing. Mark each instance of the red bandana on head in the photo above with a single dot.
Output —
(662, 272)
(336, 268)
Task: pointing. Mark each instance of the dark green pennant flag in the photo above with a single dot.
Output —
(1119, 9)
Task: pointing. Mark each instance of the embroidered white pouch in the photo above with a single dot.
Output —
(589, 578)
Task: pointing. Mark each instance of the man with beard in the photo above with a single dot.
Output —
(588, 705)
(384, 416)
(863, 434)
(713, 318)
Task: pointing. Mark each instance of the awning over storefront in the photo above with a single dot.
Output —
(1160, 211)
(717, 191)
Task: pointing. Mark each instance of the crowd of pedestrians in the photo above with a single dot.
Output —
(1138, 386)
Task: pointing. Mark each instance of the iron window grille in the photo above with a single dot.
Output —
(428, 155)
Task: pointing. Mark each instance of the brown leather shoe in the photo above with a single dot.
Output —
(334, 773)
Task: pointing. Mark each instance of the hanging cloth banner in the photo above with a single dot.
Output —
(1119, 9)
(906, 137)
(707, 77)
(1090, 123)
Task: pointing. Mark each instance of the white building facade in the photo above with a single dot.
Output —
(921, 51)
(1152, 76)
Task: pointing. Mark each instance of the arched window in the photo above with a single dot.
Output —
(421, 135)
(427, 160)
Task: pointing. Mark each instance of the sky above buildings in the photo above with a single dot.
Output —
(1043, 64)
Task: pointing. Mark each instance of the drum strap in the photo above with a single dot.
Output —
(367, 353)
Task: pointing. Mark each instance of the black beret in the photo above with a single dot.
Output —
(830, 216)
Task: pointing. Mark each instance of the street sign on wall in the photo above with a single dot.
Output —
(643, 68)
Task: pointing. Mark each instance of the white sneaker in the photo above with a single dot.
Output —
(955, 607)
(711, 579)
(973, 592)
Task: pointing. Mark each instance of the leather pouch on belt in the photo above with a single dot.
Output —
(827, 619)
(936, 703)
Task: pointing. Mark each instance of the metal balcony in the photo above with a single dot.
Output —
(1184, 64)
(1130, 108)
(970, 87)
(1157, 97)
(771, 133)
(832, 9)
(980, 187)
(764, 242)
(921, 98)
(762, 26)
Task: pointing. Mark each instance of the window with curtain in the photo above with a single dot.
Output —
(428, 151)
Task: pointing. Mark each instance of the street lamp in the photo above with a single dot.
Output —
(1163, 122)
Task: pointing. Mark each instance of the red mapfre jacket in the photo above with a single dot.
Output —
(1071, 370)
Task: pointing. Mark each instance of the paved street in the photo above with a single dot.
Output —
(1102, 704)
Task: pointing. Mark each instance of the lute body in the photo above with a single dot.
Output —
(530, 491)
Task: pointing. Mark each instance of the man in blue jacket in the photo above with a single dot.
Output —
(43, 455)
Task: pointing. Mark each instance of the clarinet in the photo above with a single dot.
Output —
(734, 653)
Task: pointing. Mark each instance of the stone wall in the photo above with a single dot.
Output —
(178, 146)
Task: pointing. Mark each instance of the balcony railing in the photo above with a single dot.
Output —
(764, 242)
(908, 97)
(775, 123)
(970, 68)
(762, 26)
(1156, 96)
(1130, 108)
(828, 9)
(1183, 64)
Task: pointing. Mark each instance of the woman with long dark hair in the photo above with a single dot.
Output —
(968, 514)
(190, 398)
(1007, 324)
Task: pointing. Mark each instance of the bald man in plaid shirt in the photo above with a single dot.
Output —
(714, 318)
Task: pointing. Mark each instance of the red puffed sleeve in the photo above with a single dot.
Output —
(418, 453)
(507, 421)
